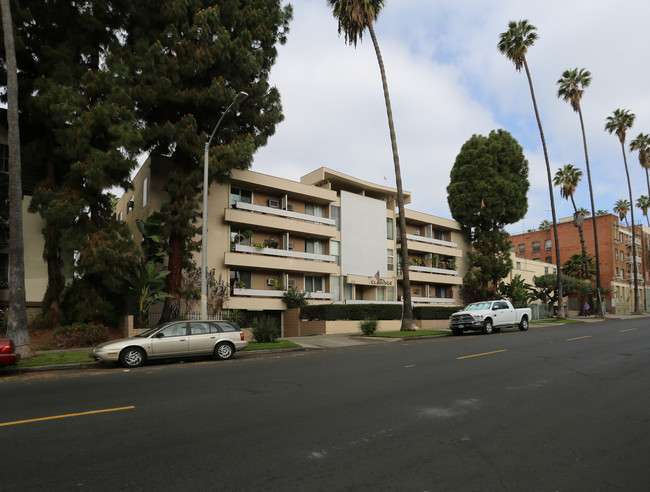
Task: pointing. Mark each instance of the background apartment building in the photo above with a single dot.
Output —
(330, 235)
(615, 252)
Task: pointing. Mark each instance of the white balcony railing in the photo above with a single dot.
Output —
(628, 259)
(441, 271)
(430, 240)
(432, 300)
(630, 277)
(277, 293)
(284, 253)
(628, 242)
(283, 213)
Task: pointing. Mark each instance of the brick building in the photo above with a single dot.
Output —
(615, 251)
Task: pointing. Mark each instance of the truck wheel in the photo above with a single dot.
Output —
(523, 325)
(457, 331)
(487, 326)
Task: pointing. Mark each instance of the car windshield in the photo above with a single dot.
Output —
(149, 332)
(477, 305)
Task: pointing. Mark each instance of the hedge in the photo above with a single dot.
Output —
(359, 312)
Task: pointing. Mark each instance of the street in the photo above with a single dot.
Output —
(561, 408)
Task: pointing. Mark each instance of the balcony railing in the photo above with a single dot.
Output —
(277, 293)
(425, 269)
(628, 242)
(283, 213)
(430, 240)
(630, 277)
(284, 253)
(432, 300)
(628, 259)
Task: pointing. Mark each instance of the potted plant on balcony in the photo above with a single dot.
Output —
(271, 243)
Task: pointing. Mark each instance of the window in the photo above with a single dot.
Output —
(119, 217)
(347, 289)
(390, 260)
(175, 330)
(315, 247)
(440, 235)
(145, 185)
(201, 328)
(130, 205)
(4, 270)
(381, 293)
(4, 158)
(314, 209)
(441, 291)
(335, 250)
(545, 270)
(522, 249)
(518, 265)
(224, 326)
(389, 228)
(313, 283)
(335, 287)
(240, 195)
(240, 279)
(535, 246)
(335, 213)
(547, 245)
(549, 259)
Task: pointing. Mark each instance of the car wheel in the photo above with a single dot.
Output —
(457, 331)
(523, 325)
(224, 351)
(132, 357)
(487, 326)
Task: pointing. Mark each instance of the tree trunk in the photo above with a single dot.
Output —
(407, 316)
(599, 305)
(173, 281)
(582, 240)
(634, 269)
(17, 317)
(560, 298)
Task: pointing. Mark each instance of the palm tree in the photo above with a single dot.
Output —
(514, 44)
(545, 224)
(643, 202)
(17, 316)
(620, 121)
(642, 144)
(584, 212)
(354, 17)
(622, 207)
(567, 178)
(572, 85)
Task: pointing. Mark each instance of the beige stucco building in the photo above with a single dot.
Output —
(330, 235)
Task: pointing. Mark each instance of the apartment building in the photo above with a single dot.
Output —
(615, 252)
(330, 235)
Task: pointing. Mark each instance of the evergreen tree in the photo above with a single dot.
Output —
(78, 126)
(487, 190)
(188, 60)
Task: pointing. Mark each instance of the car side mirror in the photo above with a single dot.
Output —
(159, 335)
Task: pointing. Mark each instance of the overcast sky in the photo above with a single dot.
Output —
(447, 81)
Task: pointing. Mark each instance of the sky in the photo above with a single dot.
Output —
(447, 81)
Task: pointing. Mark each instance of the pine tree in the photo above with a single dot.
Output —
(188, 60)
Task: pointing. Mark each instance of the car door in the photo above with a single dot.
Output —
(203, 337)
(171, 341)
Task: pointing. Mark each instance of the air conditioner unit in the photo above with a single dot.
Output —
(270, 281)
(289, 207)
(291, 283)
(274, 204)
(290, 245)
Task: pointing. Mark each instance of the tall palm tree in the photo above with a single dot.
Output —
(572, 86)
(545, 224)
(17, 316)
(567, 178)
(620, 121)
(514, 44)
(642, 144)
(354, 17)
(621, 208)
(643, 202)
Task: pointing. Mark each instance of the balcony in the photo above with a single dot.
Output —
(424, 269)
(628, 259)
(628, 242)
(430, 240)
(281, 260)
(630, 277)
(433, 300)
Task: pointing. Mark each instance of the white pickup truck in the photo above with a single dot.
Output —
(489, 317)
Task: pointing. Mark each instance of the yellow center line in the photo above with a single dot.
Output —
(66, 416)
(578, 338)
(629, 329)
(479, 355)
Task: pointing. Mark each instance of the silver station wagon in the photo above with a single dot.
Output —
(174, 339)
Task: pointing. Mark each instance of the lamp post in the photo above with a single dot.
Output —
(204, 239)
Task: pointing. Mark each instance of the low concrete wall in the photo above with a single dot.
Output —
(431, 324)
(126, 324)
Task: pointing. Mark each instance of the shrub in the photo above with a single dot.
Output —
(294, 298)
(265, 330)
(368, 326)
(333, 312)
(80, 335)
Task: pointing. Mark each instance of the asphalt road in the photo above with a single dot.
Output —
(561, 408)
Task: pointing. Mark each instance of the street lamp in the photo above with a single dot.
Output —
(204, 239)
